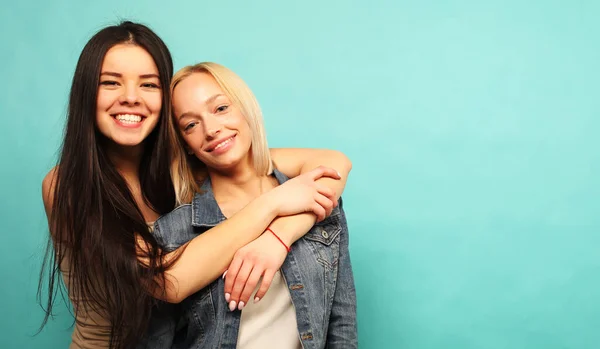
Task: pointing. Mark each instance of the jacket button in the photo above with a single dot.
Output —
(324, 234)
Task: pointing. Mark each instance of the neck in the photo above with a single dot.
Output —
(127, 161)
(243, 182)
(240, 181)
(236, 186)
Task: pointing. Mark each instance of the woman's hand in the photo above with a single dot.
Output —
(302, 194)
(261, 258)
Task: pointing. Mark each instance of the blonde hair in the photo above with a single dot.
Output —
(187, 171)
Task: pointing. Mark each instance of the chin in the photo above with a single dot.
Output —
(224, 166)
(226, 162)
(221, 166)
(128, 142)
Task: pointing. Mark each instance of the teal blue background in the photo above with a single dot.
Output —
(472, 126)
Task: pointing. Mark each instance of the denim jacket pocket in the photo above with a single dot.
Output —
(326, 231)
(324, 239)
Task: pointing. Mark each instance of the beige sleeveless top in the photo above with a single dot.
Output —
(92, 330)
(270, 323)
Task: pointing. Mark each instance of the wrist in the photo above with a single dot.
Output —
(276, 236)
(291, 228)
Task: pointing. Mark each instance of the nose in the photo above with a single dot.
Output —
(212, 126)
(130, 95)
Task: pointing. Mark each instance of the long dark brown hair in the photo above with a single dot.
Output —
(95, 219)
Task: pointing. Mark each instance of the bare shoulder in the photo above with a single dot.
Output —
(48, 186)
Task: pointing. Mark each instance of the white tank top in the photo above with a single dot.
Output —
(270, 323)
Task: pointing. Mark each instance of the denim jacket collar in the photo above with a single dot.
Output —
(205, 210)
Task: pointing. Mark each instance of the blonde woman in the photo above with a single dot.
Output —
(224, 163)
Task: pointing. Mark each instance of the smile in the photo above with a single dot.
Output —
(130, 119)
(221, 145)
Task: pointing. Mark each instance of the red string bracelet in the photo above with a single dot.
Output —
(278, 238)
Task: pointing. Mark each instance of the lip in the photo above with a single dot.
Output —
(127, 125)
(211, 146)
(114, 115)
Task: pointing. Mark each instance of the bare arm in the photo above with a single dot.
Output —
(295, 161)
(205, 257)
(214, 248)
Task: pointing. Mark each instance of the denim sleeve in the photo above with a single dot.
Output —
(342, 331)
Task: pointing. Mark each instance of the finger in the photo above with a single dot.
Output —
(325, 190)
(319, 211)
(323, 171)
(250, 286)
(232, 272)
(240, 281)
(325, 202)
(264, 285)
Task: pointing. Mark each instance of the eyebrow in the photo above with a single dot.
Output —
(188, 114)
(118, 75)
(212, 99)
(192, 114)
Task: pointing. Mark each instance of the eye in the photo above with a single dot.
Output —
(150, 85)
(189, 126)
(222, 108)
(109, 83)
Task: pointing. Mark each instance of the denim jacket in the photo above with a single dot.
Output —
(317, 271)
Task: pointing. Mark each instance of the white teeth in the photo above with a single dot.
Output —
(223, 143)
(129, 118)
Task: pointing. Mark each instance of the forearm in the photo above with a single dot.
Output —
(207, 256)
(291, 228)
(335, 160)
(295, 161)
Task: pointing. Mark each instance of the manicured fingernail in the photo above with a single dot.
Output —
(225, 273)
(227, 296)
(241, 305)
(232, 305)
(256, 300)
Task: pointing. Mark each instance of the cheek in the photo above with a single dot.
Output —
(154, 103)
(238, 121)
(194, 140)
(103, 100)
(103, 104)
(246, 129)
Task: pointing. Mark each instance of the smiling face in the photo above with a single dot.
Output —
(129, 95)
(213, 127)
